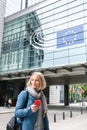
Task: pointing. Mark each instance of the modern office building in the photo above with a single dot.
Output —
(47, 36)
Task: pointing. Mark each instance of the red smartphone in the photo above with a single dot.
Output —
(37, 102)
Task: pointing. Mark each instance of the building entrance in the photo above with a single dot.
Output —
(10, 89)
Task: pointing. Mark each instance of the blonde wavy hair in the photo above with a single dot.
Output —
(41, 79)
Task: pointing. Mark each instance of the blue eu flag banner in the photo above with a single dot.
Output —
(70, 36)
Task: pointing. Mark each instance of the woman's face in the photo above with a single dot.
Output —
(35, 82)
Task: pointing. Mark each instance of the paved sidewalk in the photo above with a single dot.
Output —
(68, 118)
(75, 123)
(59, 119)
(6, 110)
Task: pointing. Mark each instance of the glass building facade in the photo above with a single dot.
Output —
(54, 34)
(17, 5)
(44, 35)
(17, 52)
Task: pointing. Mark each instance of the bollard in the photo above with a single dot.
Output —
(63, 115)
(81, 111)
(54, 117)
(71, 114)
(86, 108)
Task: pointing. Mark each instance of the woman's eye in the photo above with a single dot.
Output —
(37, 80)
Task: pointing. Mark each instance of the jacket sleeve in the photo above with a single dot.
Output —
(46, 122)
(21, 110)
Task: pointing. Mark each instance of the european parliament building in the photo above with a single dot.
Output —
(49, 36)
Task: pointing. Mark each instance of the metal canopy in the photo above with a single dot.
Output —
(58, 74)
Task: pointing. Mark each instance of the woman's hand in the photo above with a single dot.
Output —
(34, 107)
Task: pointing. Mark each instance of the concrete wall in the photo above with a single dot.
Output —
(55, 94)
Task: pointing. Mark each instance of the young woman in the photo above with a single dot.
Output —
(34, 115)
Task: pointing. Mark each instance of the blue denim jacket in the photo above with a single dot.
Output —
(25, 113)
